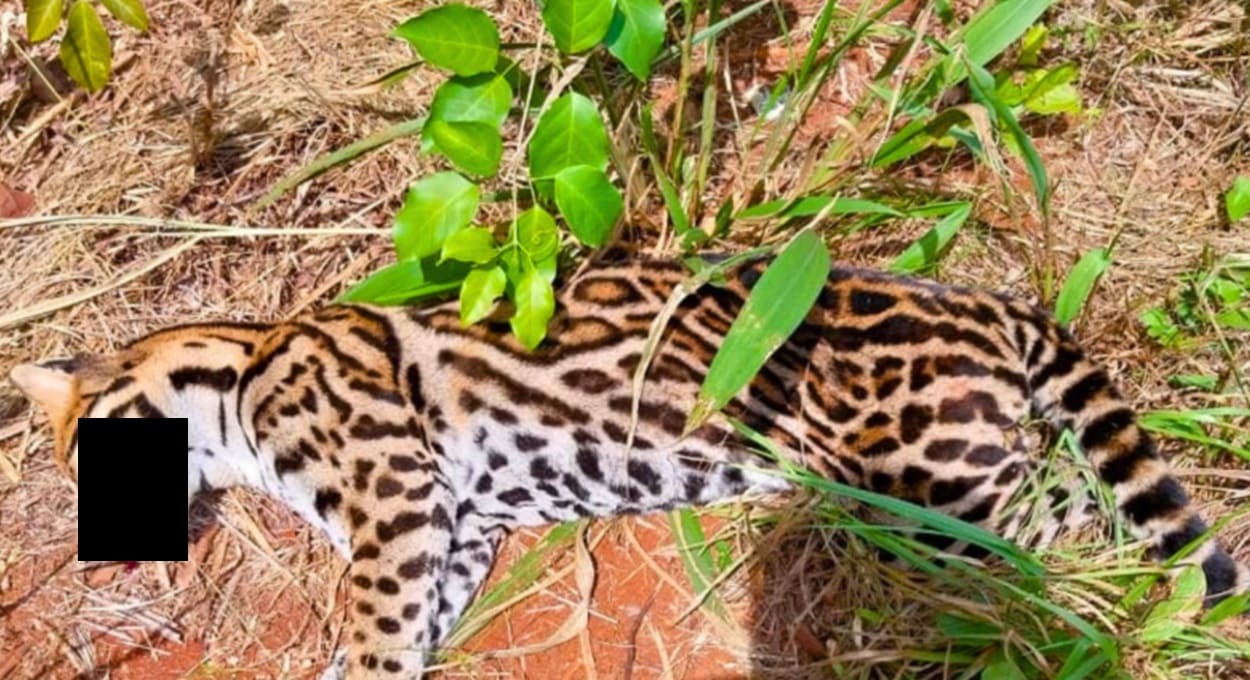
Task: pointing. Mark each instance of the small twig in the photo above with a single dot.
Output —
(631, 651)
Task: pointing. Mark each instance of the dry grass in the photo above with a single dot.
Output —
(224, 98)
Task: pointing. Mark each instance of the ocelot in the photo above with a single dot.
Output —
(415, 444)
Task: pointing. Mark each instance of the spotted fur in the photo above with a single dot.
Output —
(415, 444)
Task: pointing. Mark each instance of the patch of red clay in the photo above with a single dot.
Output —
(635, 628)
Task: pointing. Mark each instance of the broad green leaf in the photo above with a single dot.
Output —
(1237, 200)
(636, 35)
(569, 133)
(436, 207)
(774, 309)
(474, 147)
(479, 291)
(475, 244)
(1169, 618)
(535, 303)
(403, 282)
(1080, 283)
(86, 52)
(994, 29)
(463, 40)
(42, 18)
(1059, 99)
(589, 203)
(536, 233)
(130, 12)
(577, 25)
(483, 98)
(923, 254)
(1043, 91)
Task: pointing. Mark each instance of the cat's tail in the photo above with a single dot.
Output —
(1071, 391)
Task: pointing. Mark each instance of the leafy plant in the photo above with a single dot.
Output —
(86, 51)
(1210, 301)
(437, 244)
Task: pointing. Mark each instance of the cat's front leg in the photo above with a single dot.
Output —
(398, 562)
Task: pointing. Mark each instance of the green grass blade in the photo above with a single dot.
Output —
(697, 559)
(983, 90)
(774, 309)
(1080, 283)
(923, 254)
(523, 574)
(340, 156)
(672, 200)
(807, 206)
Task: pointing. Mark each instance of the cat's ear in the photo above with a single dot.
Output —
(52, 385)
(57, 387)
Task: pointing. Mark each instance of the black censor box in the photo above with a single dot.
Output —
(131, 505)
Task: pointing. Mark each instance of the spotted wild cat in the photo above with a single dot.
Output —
(414, 444)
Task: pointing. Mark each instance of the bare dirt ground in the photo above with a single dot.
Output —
(223, 98)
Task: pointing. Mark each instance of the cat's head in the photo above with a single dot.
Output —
(69, 389)
(177, 372)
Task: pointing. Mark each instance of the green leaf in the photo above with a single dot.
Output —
(569, 133)
(86, 52)
(1059, 99)
(1168, 618)
(577, 25)
(129, 12)
(463, 40)
(995, 28)
(536, 233)
(636, 35)
(475, 244)
(1080, 283)
(1002, 668)
(483, 98)
(1159, 325)
(589, 202)
(774, 309)
(923, 254)
(1199, 381)
(535, 303)
(42, 18)
(1032, 43)
(481, 288)
(436, 207)
(1237, 200)
(473, 147)
(403, 282)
